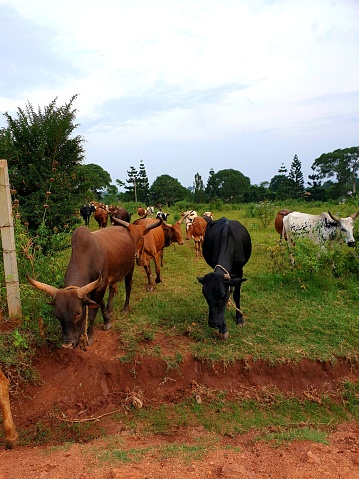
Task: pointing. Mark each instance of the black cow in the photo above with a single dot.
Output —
(227, 247)
(86, 212)
(162, 215)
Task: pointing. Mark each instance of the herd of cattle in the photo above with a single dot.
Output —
(102, 258)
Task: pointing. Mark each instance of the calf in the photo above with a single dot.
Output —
(141, 212)
(153, 247)
(197, 230)
(101, 216)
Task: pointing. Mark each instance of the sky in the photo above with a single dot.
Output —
(188, 86)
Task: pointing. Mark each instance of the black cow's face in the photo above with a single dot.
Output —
(216, 291)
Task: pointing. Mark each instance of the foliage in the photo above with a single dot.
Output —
(166, 190)
(264, 211)
(296, 175)
(198, 189)
(282, 187)
(230, 186)
(92, 181)
(342, 164)
(43, 159)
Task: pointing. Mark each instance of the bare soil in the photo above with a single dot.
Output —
(79, 385)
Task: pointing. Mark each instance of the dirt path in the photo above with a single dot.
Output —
(82, 384)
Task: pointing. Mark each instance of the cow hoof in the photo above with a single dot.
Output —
(90, 342)
(107, 326)
(224, 335)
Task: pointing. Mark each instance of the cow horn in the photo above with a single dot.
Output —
(84, 290)
(354, 215)
(120, 222)
(333, 217)
(51, 290)
(154, 225)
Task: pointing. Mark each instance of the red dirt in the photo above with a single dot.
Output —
(78, 384)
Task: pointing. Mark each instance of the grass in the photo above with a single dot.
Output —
(291, 312)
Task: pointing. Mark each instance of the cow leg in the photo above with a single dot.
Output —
(149, 286)
(92, 312)
(237, 302)
(107, 311)
(9, 426)
(156, 259)
(128, 286)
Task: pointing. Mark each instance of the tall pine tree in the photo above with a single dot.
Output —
(295, 174)
(131, 187)
(143, 185)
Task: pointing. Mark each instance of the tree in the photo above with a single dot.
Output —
(342, 164)
(168, 190)
(198, 189)
(43, 158)
(92, 181)
(143, 185)
(316, 190)
(295, 174)
(229, 185)
(282, 170)
(282, 187)
(131, 187)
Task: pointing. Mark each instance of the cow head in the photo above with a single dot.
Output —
(216, 288)
(346, 226)
(173, 233)
(138, 232)
(70, 308)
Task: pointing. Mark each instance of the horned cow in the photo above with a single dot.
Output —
(319, 228)
(99, 260)
(226, 248)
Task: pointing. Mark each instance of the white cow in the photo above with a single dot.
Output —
(320, 228)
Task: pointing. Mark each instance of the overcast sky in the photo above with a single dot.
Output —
(189, 85)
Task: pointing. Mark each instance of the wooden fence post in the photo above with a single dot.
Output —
(8, 245)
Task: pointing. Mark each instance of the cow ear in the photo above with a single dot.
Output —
(234, 281)
(91, 304)
(200, 279)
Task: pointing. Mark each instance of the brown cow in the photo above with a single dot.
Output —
(9, 426)
(101, 216)
(141, 212)
(99, 259)
(278, 222)
(197, 230)
(154, 243)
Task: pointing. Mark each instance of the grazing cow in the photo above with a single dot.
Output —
(9, 426)
(227, 247)
(162, 215)
(122, 214)
(153, 246)
(278, 222)
(150, 211)
(99, 259)
(101, 216)
(86, 212)
(197, 231)
(319, 228)
(142, 212)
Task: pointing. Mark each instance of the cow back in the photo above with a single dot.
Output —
(108, 252)
(227, 242)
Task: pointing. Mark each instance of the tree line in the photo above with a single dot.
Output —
(49, 180)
